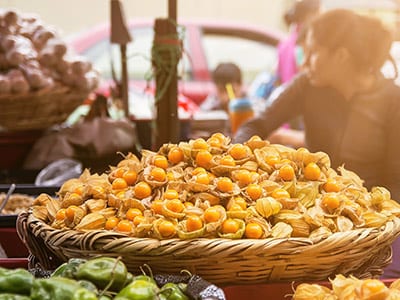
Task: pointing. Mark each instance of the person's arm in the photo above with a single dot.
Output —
(289, 137)
(286, 106)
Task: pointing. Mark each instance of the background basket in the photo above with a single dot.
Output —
(362, 252)
(38, 110)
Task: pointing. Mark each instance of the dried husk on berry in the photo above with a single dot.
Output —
(238, 234)
(306, 291)
(184, 234)
(92, 221)
(268, 206)
(281, 230)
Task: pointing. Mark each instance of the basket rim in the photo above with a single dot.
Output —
(363, 252)
(390, 229)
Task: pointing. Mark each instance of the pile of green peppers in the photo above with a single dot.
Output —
(102, 278)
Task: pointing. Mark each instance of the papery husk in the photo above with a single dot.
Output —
(94, 205)
(281, 230)
(268, 206)
(212, 227)
(237, 214)
(71, 199)
(193, 186)
(329, 223)
(238, 234)
(304, 157)
(288, 203)
(97, 190)
(145, 228)
(351, 176)
(260, 157)
(185, 235)
(300, 227)
(69, 186)
(235, 191)
(150, 180)
(395, 284)
(128, 203)
(79, 214)
(221, 170)
(319, 234)
(367, 294)
(250, 165)
(255, 142)
(393, 294)
(52, 206)
(131, 161)
(305, 291)
(354, 214)
(58, 224)
(314, 216)
(269, 186)
(358, 196)
(108, 212)
(265, 225)
(390, 207)
(344, 287)
(379, 195)
(171, 214)
(285, 215)
(40, 212)
(306, 192)
(374, 219)
(156, 224)
(113, 201)
(194, 210)
(42, 200)
(344, 224)
(147, 157)
(92, 221)
(249, 154)
(204, 196)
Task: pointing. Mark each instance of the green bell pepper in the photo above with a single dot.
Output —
(15, 281)
(69, 268)
(52, 288)
(139, 290)
(173, 291)
(13, 297)
(84, 294)
(104, 272)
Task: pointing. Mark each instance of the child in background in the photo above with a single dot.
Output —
(224, 73)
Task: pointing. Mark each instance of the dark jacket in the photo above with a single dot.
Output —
(362, 133)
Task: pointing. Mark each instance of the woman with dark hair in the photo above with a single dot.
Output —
(350, 110)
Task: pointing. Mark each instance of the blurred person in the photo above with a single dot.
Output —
(290, 51)
(225, 73)
(351, 112)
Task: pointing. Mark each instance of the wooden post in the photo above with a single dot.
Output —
(165, 56)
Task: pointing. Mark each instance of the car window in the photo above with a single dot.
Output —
(138, 55)
(251, 56)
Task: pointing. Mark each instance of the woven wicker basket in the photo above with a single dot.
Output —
(362, 252)
(38, 110)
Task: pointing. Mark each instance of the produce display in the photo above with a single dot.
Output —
(349, 288)
(101, 278)
(16, 203)
(34, 57)
(214, 188)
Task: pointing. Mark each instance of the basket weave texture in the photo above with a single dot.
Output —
(361, 252)
(38, 110)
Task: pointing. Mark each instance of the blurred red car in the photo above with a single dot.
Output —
(206, 43)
